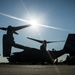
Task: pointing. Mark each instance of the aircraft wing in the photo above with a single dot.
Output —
(35, 40)
(20, 27)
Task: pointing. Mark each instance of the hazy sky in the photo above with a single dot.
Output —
(57, 18)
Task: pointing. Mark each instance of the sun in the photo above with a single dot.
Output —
(34, 23)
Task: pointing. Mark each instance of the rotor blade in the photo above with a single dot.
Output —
(54, 41)
(2, 28)
(20, 27)
(15, 32)
(35, 40)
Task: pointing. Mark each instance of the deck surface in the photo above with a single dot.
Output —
(37, 70)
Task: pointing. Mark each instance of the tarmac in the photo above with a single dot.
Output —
(37, 70)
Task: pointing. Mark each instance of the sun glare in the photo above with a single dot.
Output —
(34, 23)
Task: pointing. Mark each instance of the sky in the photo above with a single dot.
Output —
(56, 19)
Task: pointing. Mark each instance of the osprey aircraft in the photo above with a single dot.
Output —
(34, 55)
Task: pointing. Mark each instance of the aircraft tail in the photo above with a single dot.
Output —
(70, 44)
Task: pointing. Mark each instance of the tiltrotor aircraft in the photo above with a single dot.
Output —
(33, 55)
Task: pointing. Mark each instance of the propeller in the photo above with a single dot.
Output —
(20, 27)
(55, 41)
(14, 29)
(41, 41)
(2, 28)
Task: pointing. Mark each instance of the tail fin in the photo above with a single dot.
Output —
(70, 44)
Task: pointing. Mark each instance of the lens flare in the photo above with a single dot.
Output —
(33, 22)
(13, 17)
